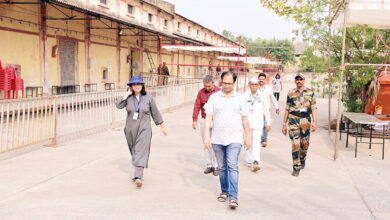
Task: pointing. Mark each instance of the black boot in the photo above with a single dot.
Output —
(303, 164)
(295, 172)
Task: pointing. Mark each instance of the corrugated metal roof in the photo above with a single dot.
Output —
(208, 29)
(154, 3)
(81, 7)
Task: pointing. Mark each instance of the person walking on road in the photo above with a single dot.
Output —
(229, 114)
(138, 131)
(277, 86)
(218, 69)
(257, 108)
(266, 94)
(201, 100)
(165, 73)
(301, 103)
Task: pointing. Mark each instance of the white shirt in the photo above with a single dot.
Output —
(277, 87)
(267, 94)
(257, 107)
(227, 117)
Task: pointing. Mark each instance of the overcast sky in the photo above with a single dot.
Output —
(240, 17)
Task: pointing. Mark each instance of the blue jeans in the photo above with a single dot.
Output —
(227, 159)
(264, 135)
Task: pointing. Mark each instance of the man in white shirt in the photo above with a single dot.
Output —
(257, 111)
(229, 113)
(266, 94)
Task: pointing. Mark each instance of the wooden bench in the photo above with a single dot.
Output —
(34, 91)
(65, 89)
(90, 87)
(109, 86)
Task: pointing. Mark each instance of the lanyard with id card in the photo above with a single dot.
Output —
(301, 100)
(136, 113)
(251, 110)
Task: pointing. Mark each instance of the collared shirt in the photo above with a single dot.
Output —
(227, 117)
(277, 86)
(267, 94)
(257, 109)
(201, 100)
(297, 100)
(165, 70)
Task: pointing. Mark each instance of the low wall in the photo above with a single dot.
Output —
(55, 119)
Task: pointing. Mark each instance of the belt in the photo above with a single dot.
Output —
(300, 114)
(203, 117)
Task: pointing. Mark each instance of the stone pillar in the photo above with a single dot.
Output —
(43, 42)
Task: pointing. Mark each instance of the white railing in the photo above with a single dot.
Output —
(153, 80)
(25, 122)
(60, 118)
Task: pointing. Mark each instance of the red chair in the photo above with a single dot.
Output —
(5, 82)
(16, 83)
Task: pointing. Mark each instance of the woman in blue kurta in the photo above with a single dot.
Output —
(138, 131)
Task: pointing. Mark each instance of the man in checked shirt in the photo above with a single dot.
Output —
(201, 100)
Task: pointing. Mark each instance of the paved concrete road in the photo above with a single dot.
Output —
(89, 178)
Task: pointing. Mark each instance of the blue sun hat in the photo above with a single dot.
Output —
(135, 79)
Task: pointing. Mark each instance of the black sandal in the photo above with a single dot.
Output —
(233, 203)
(223, 197)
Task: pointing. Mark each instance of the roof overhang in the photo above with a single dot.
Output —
(249, 60)
(375, 14)
(80, 7)
(223, 49)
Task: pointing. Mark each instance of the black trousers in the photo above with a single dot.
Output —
(165, 80)
(276, 94)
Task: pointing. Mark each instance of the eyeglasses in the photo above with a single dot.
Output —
(299, 79)
(227, 84)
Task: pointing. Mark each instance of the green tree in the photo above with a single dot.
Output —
(362, 44)
(229, 35)
(236, 38)
(283, 50)
(311, 62)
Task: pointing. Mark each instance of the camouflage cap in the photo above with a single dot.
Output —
(300, 75)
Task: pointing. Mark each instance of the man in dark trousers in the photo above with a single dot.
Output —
(165, 73)
(201, 100)
(218, 69)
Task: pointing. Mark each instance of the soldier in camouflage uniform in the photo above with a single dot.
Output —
(301, 103)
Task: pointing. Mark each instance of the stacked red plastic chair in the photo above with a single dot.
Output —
(5, 82)
(16, 83)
